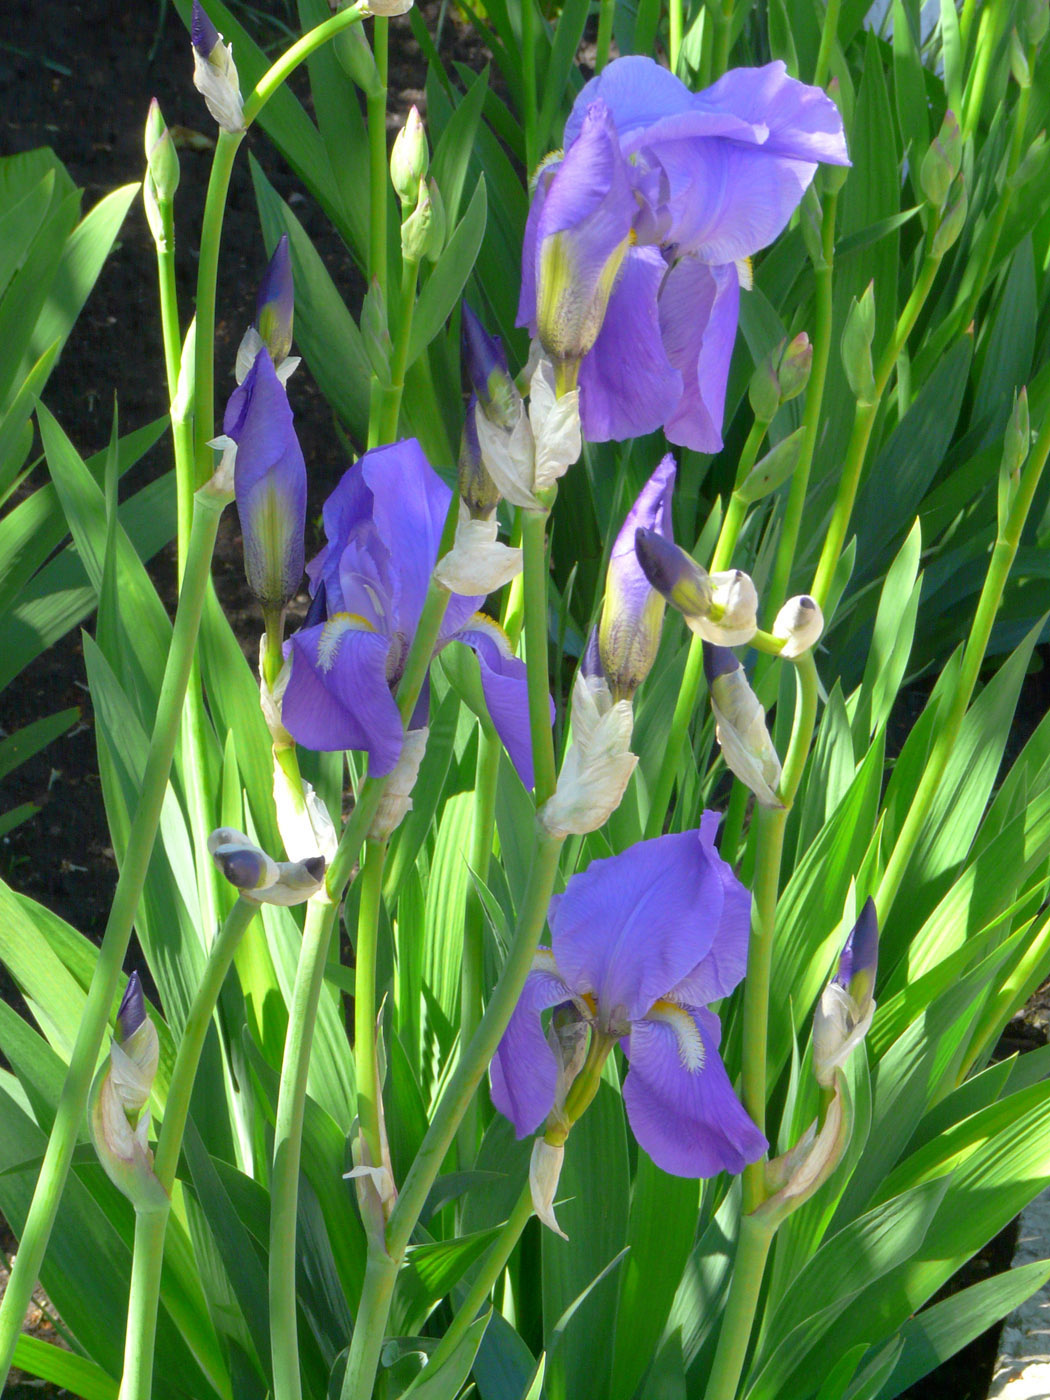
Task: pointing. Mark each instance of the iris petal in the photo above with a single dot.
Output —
(524, 1071)
(689, 1121)
(699, 309)
(409, 505)
(503, 679)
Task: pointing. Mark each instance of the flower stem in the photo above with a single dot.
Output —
(378, 168)
(366, 1344)
(280, 71)
(749, 1265)
(606, 13)
(1008, 538)
(674, 33)
(391, 408)
(737, 507)
(287, 1146)
(828, 34)
(777, 591)
(863, 423)
(368, 1088)
(770, 849)
(528, 79)
(71, 1104)
(534, 546)
(151, 1226)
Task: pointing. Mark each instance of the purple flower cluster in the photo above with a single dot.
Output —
(638, 237)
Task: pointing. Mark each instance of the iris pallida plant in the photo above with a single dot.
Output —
(447, 937)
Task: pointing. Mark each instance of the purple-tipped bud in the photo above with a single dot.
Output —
(847, 1004)
(246, 869)
(132, 1010)
(673, 573)
(941, 163)
(486, 366)
(478, 491)
(203, 34)
(275, 304)
(718, 662)
(859, 959)
(740, 726)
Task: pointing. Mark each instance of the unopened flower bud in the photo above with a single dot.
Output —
(118, 1116)
(800, 622)
(846, 1006)
(773, 470)
(952, 220)
(796, 361)
(544, 1171)
(674, 573)
(811, 218)
(356, 59)
(478, 492)
(1016, 443)
(857, 336)
(258, 876)
(1019, 61)
(410, 158)
(275, 303)
(740, 726)
(941, 163)
(486, 366)
(162, 159)
(388, 9)
(526, 460)
(781, 376)
(416, 230)
(215, 73)
(598, 763)
(794, 1177)
(1036, 19)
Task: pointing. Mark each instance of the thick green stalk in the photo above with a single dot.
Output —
(492, 1265)
(737, 507)
(282, 69)
(528, 79)
(534, 546)
(749, 1263)
(674, 33)
(366, 1069)
(863, 423)
(771, 824)
(366, 1344)
(988, 31)
(378, 162)
(143, 830)
(828, 34)
(287, 1146)
(151, 1226)
(777, 591)
(1008, 538)
(606, 13)
(472, 987)
(391, 409)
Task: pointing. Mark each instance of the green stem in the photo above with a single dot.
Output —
(863, 422)
(143, 830)
(493, 1264)
(534, 580)
(528, 78)
(366, 1344)
(378, 162)
(737, 507)
(207, 274)
(280, 71)
(287, 1147)
(472, 988)
(606, 13)
(988, 32)
(366, 1069)
(749, 1265)
(828, 35)
(723, 37)
(151, 1226)
(391, 409)
(684, 707)
(1008, 538)
(777, 591)
(771, 825)
(674, 33)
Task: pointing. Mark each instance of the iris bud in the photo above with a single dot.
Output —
(423, 232)
(1019, 61)
(800, 623)
(258, 876)
(215, 73)
(410, 158)
(941, 163)
(847, 1004)
(118, 1116)
(674, 573)
(275, 303)
(773, 470)
(162, 172)
(486, 366)
(1016, 443)
(857, 336)
(598, 763)
(356, 59)
(740, 726)
(952, 220)
(477, 490)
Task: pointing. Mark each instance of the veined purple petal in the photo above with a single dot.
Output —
(629, 928)
(689, 1121)
(524, 1072)
(636, 90)
(527, 298)
(409, 505)
(699, 309)
(338, 696)
(348, 507)
(628, 386)
(803, 122)
(503, 679)
(269, 482)
(724, 964)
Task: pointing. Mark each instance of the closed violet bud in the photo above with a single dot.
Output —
(800, 623)
(215, 73)
(740, 726)
(275, 303)
(847, 1005)
(941, 163)
(674, 574)
(118, 1115)
(486, 366)
(258, 876)
(857, 336)
(478, 492)
(952, 220)
(409, 158)
(632, 610)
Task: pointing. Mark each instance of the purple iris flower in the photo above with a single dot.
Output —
(383, 524)
(639, 944)
(713, 177)
(269, 482)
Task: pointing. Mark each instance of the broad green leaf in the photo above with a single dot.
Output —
(891, 641)
(28, 291)
(445, 284)
(446, 901)
(952, 54)
(562, 79)
(14, 421)
(452, 153)
(447, 1380)
(20, 222)
(73, 1373)
(1008, 351)
(431, 1272)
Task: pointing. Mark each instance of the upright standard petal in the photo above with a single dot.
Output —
(628, 386)
(269, 482)
(524, 1072)
(409, 505)
(699, 309)
(629, 928)
(686, 1115)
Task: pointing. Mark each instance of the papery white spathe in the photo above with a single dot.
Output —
(251, 343)
(544, 1170)
(598, 765)
(396, 800)
(215, 78)
(740, 728)
(734, 602)
(260, 878)
(538, 448)
(800, 622)
(477, 562)
(839, 1025)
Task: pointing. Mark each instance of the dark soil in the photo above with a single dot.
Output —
(82, 86)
